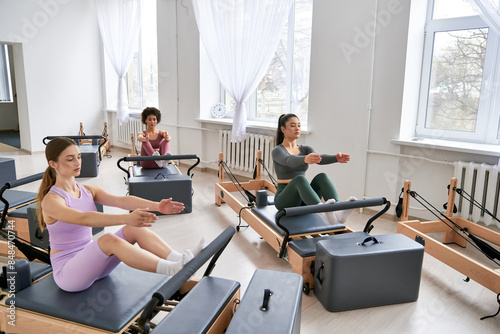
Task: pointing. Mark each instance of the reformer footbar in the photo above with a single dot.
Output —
(455, 230)
(169, 289)
(156, 158)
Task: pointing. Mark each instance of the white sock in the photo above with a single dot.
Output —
(171, 268)
(202, 244)
(159, 163)
(331, 214)
(187, 256)
(344, 214)
(166, 162)
(174, 256)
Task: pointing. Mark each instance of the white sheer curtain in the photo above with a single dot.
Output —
(119, 24)
(489, 12)
(240, 37)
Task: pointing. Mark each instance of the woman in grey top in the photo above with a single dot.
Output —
(291, 162)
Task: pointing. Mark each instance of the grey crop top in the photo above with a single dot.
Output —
(288, 166)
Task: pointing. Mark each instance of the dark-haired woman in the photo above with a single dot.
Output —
(291, 162)
(66, 208)
(153, 141)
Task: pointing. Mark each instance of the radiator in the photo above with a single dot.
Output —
(481, 181)
(134, 125)
(243, 155)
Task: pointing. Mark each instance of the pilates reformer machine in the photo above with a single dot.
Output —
(90, 152)
(105, 148)
(157, 184)
(292, 232)
(132, 301)
(455, 230)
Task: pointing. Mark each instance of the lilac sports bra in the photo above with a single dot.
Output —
(64, 236)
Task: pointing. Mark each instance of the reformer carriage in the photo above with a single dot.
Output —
(292, 232)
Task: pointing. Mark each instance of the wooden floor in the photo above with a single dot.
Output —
(446, 303)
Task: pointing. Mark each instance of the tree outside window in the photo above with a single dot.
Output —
(459, 97)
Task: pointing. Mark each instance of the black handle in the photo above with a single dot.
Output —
(318, 274)
(375, 241)
(265, 303)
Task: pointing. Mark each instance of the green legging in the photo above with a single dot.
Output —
(298, 191)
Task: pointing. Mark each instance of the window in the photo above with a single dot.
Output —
(458, 97)
(5, 80)
(285, 86)
(142, 76)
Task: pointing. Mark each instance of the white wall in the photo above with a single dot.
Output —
(58, 67)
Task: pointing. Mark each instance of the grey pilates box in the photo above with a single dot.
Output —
(356, 270)
(156, 186)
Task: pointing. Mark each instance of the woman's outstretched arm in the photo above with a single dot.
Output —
(166, 206)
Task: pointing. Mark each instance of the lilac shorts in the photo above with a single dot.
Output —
(77, 269)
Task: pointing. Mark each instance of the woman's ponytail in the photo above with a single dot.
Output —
(48, 180)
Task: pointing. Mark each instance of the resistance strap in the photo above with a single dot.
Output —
(245, 193)
(271, 177)
(29, 249)
(490, 252)
(471, 200)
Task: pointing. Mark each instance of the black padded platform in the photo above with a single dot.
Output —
(307, 247)
(170, 169)
(282, 315)
(39, 270)
(198, 311)
(311, 223)
(109, 304)
(17, 197)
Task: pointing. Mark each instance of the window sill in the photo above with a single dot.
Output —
(250, 124)
(484, 149)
